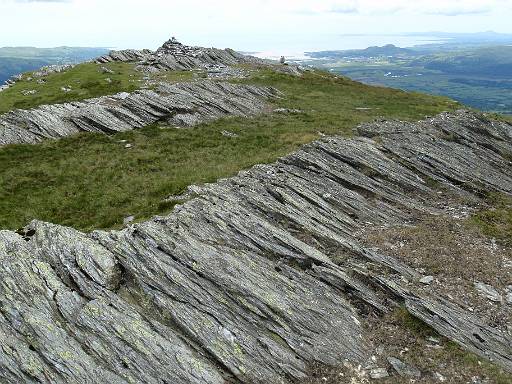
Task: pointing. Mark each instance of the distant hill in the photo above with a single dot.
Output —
(14, 60)
(487, 61)
(386, 50)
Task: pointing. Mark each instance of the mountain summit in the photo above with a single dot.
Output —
(173, 55)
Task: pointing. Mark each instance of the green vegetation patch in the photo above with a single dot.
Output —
(451, 354)
(84, 81)
(92, 181)
(496, 221)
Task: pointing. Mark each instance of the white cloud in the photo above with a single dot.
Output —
(250, 24)
(438, 7)
(43, 1)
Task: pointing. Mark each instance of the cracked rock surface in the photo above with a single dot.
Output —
(256, 276)
(175, 56)
(182, 104)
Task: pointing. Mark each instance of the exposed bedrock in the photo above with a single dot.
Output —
(182, 104)
(173, 56)
(256, 276)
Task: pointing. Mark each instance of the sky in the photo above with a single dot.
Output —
(254, 25)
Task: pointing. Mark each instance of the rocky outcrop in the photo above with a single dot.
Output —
(182, 104)
(173, 55)
(126, 55)
(255, 276)
(51, 69)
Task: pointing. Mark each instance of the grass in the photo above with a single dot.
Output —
(496, 221)
(452, 352)
(92, 181)
(85, 81)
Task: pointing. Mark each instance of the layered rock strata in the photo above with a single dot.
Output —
(182, 104)
(256, 276)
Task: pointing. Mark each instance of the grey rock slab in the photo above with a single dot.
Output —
(508, 293)
(427, 280)
(378, 373)
(173, 55)
(488, 291)
(180, 104)
(254, 277)
(404, 369)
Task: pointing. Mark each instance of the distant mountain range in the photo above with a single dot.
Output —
(386, 50)
(14, 60)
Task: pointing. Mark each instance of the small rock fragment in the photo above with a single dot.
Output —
(106, 70)
(28, 92)
(128, 220)
(288, 111)
(427, 280)
(404, 369)
(229, 134)
(509, 294)
(488, 291)
(439, 377)
(128, 145)
(379, 373)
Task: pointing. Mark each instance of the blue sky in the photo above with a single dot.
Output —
(243, 25)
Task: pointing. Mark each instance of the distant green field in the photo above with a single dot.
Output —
(478, 77)
(92, 181)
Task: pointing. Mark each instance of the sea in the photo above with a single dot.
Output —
(297, 49)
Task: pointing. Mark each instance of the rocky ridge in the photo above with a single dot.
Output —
(256, 276)
(173, 55)
(182, 104)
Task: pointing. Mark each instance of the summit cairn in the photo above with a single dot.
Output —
(174, 47)
(173, 55)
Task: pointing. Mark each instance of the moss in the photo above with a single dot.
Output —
(237, 350)
(432, 183)
(415, 325)
(496, 221)
(66, 355)
(278, 339)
